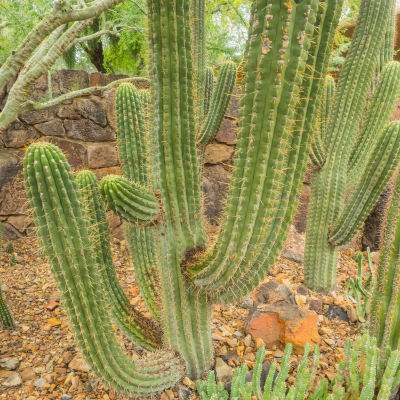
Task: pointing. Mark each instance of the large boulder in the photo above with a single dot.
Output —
(88, 131)
(75, 152)
(18, 135)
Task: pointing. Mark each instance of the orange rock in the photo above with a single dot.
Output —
(54, 322)
(284, 323)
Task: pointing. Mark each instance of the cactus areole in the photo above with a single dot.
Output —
(162, 136)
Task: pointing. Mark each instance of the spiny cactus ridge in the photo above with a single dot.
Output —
(350, 170)
(161, 137)
(6, 319)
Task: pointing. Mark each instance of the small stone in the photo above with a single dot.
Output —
(52, 305)
(301, 300)
(189, 383)
(326, 331)
(328, 300)
(237, 334)
(54, 322)
(28, 374)
(66, 397)
(9, 363)
(29, 300)
(350, 252)
(91, 383)
(25, 328)
(39, 382)
(301, 289)
(4, 288)
(79, 364)
(258, 344)
(316, 305)
(223, 371)
(375, 257)
(13, 380)
(170, 394)
(352, 314)
(218, 337)
(337, 312)
(245, 303)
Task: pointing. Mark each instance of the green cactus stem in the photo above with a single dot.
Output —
(208, 90)
(132, 323)
(330, 180)
(9, 248)
(64, 234)
(6, 319)
(134, 203)
(12, 260)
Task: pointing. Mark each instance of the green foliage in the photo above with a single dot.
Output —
(355, 378)
(12, 260)
(355, 288)
(10, 248)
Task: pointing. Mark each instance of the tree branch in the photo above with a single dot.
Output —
(96, 35)
(61, 13)
(30, 106)
(5, 24)
(137, 5)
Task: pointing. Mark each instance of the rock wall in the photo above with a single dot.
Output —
(85, 129)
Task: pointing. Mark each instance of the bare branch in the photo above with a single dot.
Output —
(96, 35)
(30, 106)
(5, 24)
(137, 5)
(61, 13)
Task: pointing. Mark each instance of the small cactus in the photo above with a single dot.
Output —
(9, 248)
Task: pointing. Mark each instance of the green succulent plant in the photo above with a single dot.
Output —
(9, 248)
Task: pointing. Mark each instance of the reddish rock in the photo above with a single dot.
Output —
(52, 306)
(88, 131)
(217, 153)
(18, 135)
(228, 132)
(102, 155)
(316, 305)
(284, 323)
(71, 80)
(75, 152)
(96, 79)
(93, 109)
(51, 128)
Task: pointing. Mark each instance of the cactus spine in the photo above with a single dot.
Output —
(6, 319)
(286, 56)
(344, 161)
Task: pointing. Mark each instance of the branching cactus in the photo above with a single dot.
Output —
(162, 135)
(6, 319)
(352, 165)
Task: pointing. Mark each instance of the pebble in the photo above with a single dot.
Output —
(66, 397)
(14, 379)
(9, 363)
(39, 382)
(29, 299)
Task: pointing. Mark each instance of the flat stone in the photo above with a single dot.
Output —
(28, 374)
(102, 155)
(68, 112)
(18, 135)
(96, 79)
(222, 371)
(316, 305)
(88, 131)
(39, 382)
(51, 128)
(109, 96)
(20, 222)
(13, 380)
(52, 305)
(9, 232)
(293, 249)
(352, 314)
(39, 116)
(246, 303)
(76, 153)
(215, 188)
(72, 80)
(92, 109)
(79, 364)
(9, 363)
(234, 105)
(271, 293)
(217, 153)
(227, 132)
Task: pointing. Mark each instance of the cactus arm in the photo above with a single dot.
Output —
(6, 319)
(387, 48)
(261, 142)
(328, 94)
(64, 232)
(384, 311)
(381, 165)
(208, 90)
(379, 111)
(328, 187)
(131, 322)
(219, 104)
(249, 275)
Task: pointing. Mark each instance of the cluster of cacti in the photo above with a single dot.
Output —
(356, 378)
(385, 301)
(352, 164)
(355, 288)
(161, 141)
(6, 319)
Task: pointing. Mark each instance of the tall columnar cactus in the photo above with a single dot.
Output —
(385, 302)
(352, 165)
(6, 319)
(160, 194)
